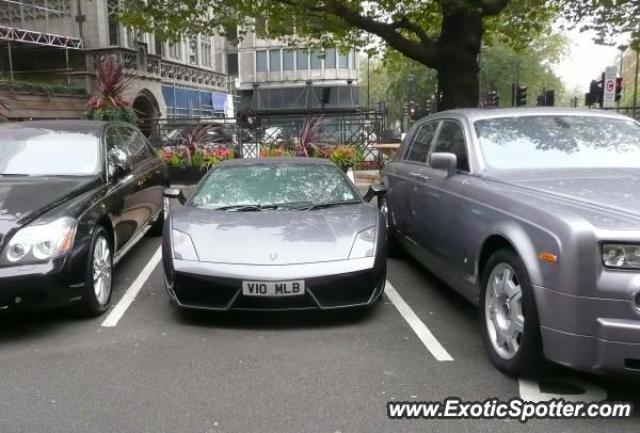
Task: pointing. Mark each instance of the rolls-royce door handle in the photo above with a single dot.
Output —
(419, 175)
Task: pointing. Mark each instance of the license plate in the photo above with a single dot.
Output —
(273, 288)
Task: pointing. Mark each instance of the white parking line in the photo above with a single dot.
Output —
(121, 307)
(421, 330)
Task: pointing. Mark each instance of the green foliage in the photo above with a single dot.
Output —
(609, 19)
(121, 114)
(44, 88)
(343, 156)
(390, 77)
(501, 65)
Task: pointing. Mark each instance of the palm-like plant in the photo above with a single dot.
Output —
(108, 101)
(310, 135)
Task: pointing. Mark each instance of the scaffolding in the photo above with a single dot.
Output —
(40, 22)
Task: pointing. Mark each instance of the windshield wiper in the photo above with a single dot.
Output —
(245, 207)
(331, 204)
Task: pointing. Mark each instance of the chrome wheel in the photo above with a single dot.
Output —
(503, 311)
(102, 270)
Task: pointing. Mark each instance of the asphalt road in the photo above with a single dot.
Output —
(159, 370)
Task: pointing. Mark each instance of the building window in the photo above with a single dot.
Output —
(330, 58)
(261, 61)
(159, 46)
(343, 59)
(205, 45)
(287, 60)
(131, 37)
(274, 60)
(114, 28)
(303, 60)
(316, 59)
(193, 50)
(175, 51)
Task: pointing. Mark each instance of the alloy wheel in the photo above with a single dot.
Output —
(102, 270)
(503, 311)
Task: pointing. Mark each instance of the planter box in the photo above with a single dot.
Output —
(185, 176)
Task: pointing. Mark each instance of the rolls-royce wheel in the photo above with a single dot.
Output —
(509, 318)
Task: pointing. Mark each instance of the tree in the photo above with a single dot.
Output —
(608, 19)
(390, 77)
(444, 35)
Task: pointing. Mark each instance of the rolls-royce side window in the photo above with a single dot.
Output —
(451, 139)
(421, 143)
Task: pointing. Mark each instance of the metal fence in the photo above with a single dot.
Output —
(360, 130)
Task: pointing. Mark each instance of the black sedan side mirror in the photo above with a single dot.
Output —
(445, 161)
(375, 191)
(175, 193)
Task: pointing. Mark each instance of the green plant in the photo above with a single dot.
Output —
(112, 114)
(108, 101)
(343, 156)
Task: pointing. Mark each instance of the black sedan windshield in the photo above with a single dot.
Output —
(41, 151)
(274, 184)
(558, 141)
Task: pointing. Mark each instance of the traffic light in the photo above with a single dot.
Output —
(618, 88)
(595, 94)
(521, 96)
(550, 98)
(412, 110)
(493, 99)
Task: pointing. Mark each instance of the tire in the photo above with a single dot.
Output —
(96, 299)
(508, 316)
(156, 227)
(393, 249)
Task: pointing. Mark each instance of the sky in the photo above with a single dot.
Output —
(585, 60)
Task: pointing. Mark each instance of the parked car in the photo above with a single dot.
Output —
(534, 214)
(75, 196)
(274, 233)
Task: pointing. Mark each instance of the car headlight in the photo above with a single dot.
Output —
(622, 256)
(183, 248)
(364, 245)
(42, 241)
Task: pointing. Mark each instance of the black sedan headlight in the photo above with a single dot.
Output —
(621, 256)
(41, 241)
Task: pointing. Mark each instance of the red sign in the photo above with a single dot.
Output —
(610, 86)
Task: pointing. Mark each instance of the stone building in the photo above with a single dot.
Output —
(55, 43)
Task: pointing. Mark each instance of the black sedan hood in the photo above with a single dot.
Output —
(22, 199)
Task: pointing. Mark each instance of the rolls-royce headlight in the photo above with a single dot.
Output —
(42, 241)
(364, 245)
(183, 248)
(621, 256)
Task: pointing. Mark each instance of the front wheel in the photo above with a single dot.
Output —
(393, 249)
(98, 282)
(509, 320)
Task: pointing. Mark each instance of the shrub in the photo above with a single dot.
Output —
(108, 101)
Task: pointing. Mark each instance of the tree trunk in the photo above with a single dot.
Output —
(459, 46)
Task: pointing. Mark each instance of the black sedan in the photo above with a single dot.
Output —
(75, 196)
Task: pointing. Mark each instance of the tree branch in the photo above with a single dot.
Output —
(426, 51)
(493, 7)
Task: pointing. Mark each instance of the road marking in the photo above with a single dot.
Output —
(421, 330)
(121, 307)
